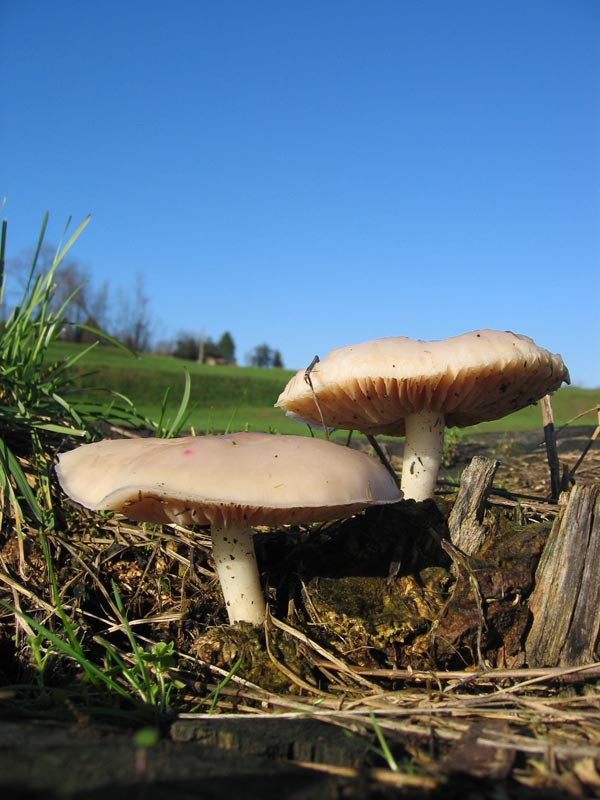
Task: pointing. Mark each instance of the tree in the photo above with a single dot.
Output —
(226, 347)
(277, 360)
(135, 325)
(131, 323)
(186, 346)
(87, 306)
(73, 284)
(261, 356)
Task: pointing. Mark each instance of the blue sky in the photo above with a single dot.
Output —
(311, 174)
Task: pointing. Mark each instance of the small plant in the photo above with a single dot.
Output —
(140, 678)
(214, 697)
(30, 403)
(38, 406)
(41, 407)
(146, 672)
(165, 428)
(384, 748)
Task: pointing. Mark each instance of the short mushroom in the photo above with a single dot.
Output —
(230, 482)
(400, 386)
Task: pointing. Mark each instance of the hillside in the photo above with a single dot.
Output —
(233, 397)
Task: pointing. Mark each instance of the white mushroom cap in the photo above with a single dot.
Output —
(230, 482)
(373, 386)
(401, 386)
(261, 479)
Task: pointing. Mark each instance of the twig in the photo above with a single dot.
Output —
(463, 677)
(334, 662)
(383, 458)
(290, 674)
(550, 440)
(584, 452)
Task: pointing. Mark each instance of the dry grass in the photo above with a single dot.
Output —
(441, 710)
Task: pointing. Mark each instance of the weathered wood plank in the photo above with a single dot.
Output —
(466, 522)
(565, 602)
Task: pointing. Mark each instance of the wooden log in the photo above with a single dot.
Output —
(565, 603)
(475, 754)
(466, 520)
(276, 737)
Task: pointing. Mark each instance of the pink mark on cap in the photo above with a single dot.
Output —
(188, 451)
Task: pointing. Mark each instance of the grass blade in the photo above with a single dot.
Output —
(61, 253)
(10, 467)
(2, 252)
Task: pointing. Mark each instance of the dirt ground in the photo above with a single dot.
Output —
(481, 749)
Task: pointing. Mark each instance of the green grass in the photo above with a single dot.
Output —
(34, 403)
(567, 403)
(222, 397)
(237, 398)
(36, 415)
(87, 636)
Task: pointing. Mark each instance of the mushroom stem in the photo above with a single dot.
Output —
(423, 447)
(235, 561)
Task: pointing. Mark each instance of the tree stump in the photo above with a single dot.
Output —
(565, 602)
(466, 520)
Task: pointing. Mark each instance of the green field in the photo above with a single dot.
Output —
(238, 398)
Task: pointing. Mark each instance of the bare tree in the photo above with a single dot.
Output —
(72, 286)
(98, 307)
(134, 327)
(86, 305)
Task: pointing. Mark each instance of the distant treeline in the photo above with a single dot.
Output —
(125, 315)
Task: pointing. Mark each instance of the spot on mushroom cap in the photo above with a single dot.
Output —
(374, 385)
(252, 478)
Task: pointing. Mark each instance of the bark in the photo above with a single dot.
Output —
(466, 522)
(565, 602)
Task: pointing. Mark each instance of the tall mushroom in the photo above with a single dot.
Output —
(400, 386)
(230, 482)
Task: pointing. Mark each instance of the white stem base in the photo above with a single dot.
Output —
(235, 561)
(423, 447)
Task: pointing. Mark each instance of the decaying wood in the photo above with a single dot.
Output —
(466, 521)
(476, 753)
(565, 602)
(275, 736)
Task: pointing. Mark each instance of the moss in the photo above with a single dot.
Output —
(353, 596)
(270, 667)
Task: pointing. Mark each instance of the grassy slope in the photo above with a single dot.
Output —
(222, 397)
(228, 397)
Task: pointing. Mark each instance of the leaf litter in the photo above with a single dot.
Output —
(430, 658)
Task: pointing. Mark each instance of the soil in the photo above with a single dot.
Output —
(381, 599)
(43, 760)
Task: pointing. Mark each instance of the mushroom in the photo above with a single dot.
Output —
(400, 386)
(230, 482)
